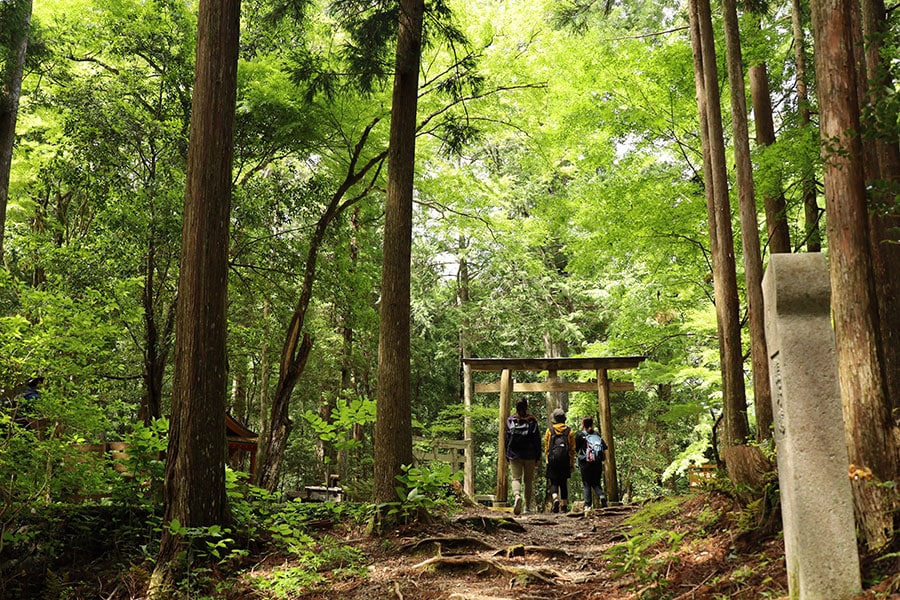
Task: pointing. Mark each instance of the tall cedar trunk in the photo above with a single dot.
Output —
(151, 401)
(347, 340)
(775, 205)
(882, 172)
(393, 425)
(465, 373)
(700, 87)
(195, 470)
(734, 397)
(753, 271)
(554, 400)
(264, 381)
(9, 103)
(157, 337)
(811, 212)
(854, 305)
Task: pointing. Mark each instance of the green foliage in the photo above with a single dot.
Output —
(695, 452)
(574, 196)
(83, 535)
(260, 513)
(647, 558)
(318, 562)
(203, 547)
(644, 520)
(288, 526)
(337, 431)
(143, 469)
(423, 491)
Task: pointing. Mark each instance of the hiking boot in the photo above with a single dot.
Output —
(587, 510)
(603, 502)
(517, 505)
(555, 508)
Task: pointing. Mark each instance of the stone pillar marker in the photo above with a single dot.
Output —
(816, 498)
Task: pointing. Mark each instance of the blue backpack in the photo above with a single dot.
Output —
(593, 452)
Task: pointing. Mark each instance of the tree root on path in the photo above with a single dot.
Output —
(522, 550)
(489, 524)
(446, 543)
(520, 575)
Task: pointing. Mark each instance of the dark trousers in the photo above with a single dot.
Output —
(591, 477)
(589, 491)
(561, 487)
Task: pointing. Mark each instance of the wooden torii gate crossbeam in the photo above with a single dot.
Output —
(506, 386)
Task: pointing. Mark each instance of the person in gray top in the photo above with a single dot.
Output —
(523, 452)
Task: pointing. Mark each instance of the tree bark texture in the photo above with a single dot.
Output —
(264, 381)
(775, 205)
(157, 341)
(753, 271)
(811, 212)
(702, 100)
(195, 470)
(9, 103)
(393, 426)
(734, 395)
(882, 172)
(867, 421)
(293, 362)
(348, 337)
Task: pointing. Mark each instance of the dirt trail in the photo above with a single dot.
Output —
(693, 548)
(492, 555)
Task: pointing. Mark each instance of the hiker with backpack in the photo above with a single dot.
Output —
(590, 448)
(560, 443)
(523, 451)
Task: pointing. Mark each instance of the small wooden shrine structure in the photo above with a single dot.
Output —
(507, 386)
(240, 442)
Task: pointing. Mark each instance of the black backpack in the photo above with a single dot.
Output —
(558, 454)
(517, 434)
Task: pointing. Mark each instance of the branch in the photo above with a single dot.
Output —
(644, 35)
(464, 99)
(444, 208)
(122, 377)
(91, 59)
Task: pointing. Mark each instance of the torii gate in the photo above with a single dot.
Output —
(506, 386)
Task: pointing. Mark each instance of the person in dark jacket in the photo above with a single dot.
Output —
(23, 409)
(523, 452)
(591, 472)
(558, 472)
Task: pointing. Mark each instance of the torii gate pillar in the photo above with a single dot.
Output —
(606, 430)
(506, 387)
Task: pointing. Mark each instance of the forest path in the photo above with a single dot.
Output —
(690, 548)
(492, 555)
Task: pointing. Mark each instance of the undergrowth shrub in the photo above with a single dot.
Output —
(647, 557)
(60, 545)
